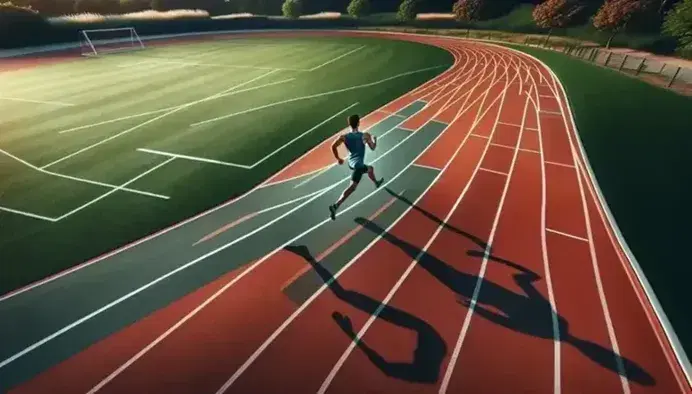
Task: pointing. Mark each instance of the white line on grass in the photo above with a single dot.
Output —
(55, 103)
(193, 158)
(157, 118)
(104, 195)
(171, 108)
(26, 163)
(316, 95)
(219, 65)
(337, 58)
(247, 271)
(29, 214)
(260, 161)
(207, 255)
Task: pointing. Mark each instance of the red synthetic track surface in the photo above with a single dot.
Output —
(547, 308)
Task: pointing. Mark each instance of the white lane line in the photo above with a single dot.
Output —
(564, 234)
(493, 171)
(554, 163)
(427, 167)
(327, 382)
(486, 254)
(286, 323)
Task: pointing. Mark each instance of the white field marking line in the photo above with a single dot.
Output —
(296, 313)
(337, 58)
(594, 260)
(566, 234)
(314, 96)
(486, 254)
(547, 96)
(232, 93)
(28, 214)
(162, 60)
(479, 136)
(493, 171)
(142, 352)
(55, 103)
(335, 370)
(545, 111)
(557, 357)
(155, 119)
(260, 161)
(154, 235)
(104, 195)
(455, 76)
(26, 163)
(509, 124)
(211, 253)
(127, 65)
(554, 163)
(427, 167)
(192, 158)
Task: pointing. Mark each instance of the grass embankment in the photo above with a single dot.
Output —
(637, 138)
(86, 92)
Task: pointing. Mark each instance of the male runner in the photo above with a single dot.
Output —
(355, 141)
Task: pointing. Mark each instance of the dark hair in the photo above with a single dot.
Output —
(354, 121)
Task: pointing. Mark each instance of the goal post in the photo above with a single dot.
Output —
(103, 41)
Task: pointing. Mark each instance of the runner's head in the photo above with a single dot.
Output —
(354, 121)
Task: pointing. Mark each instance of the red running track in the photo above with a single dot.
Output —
(504, 276)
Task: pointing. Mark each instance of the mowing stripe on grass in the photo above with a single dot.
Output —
(214, 96)
(55, 103)
(337, 58)
(316, 95)
(26, 163)
(171, 108)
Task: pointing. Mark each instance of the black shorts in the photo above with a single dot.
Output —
(357, 172)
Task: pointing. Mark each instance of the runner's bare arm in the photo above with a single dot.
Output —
(335, 148)
(370, 140)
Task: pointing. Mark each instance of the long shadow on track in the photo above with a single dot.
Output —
(529, 313)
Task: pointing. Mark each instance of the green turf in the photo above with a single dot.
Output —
(140, 83)
(638, 141)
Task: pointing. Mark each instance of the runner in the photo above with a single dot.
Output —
(355, 141)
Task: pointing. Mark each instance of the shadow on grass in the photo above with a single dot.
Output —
(529, 313)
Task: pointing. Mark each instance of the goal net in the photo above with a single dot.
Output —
(102, 41)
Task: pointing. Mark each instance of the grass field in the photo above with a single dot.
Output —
(637, 137)
(98, 152)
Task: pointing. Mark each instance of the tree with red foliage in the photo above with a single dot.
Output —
(555, 14)
(614, 15)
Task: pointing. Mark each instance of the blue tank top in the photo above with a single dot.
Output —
(356, 148)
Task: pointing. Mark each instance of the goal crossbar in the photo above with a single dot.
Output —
(95, 42)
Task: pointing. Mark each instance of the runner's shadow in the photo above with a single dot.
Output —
(529, 313)
(430, 349)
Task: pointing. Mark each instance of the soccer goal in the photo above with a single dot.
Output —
(102, 41)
